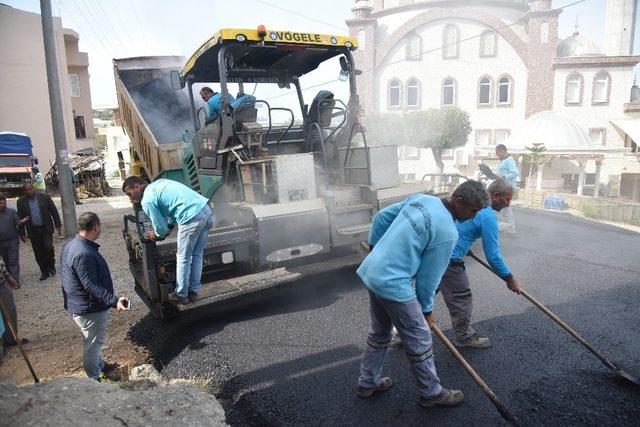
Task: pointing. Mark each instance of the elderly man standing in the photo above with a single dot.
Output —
(39, 215)
(411, 244)
(9, 251)
(508, 169)
(168, 203)
(455, 282)
(87, 290)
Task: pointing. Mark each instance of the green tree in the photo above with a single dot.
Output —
(385, 129)
(438, 129)
(535, 157)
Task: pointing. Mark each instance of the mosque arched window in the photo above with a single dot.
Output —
(448, 92)
(394, 91)
(413, 48)
(485, 87)
(413, 92)
(488, 43)
(544, 32)
(505, 90)
(601, 84)
(450, 39)
(573, 90)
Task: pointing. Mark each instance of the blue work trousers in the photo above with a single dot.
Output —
(408, 319)
(192, 239)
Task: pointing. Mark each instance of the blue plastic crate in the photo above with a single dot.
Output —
(554, 202)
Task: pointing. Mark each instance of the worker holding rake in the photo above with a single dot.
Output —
(455, 282)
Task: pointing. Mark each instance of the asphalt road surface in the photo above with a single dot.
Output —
(291, 355)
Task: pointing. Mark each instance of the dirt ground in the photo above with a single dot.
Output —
(55, 342)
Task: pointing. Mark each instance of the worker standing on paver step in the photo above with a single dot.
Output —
(411, 244)
(168, 203)
(455, 282)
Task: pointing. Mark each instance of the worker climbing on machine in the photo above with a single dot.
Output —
(455, 282)
(168, 203)
(411, 243)
(214, 101)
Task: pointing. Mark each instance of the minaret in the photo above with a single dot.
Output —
(619, 27)
(542, 24)
(363, 27)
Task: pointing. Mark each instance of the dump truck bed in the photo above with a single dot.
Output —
(153, 113)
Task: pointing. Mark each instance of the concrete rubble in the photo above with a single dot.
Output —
(147, 398)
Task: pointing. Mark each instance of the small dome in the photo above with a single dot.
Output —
(577, 45)
(554, 130)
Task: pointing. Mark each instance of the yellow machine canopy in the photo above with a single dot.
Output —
(263, 55)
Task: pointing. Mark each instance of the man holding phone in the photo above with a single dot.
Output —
(87, 289)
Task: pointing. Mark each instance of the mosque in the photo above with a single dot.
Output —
(503, 63)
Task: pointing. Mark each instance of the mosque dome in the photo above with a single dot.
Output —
(577, 45)
(554, 130)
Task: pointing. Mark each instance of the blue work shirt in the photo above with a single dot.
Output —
(485, 226)
(508, 169)
(243, 100)
(215, 104)
(168, 202)
(412, 243)
(86, 281)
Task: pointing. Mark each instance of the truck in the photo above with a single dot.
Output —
(16, 162)
(294, 188)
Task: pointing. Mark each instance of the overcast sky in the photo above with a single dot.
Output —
(124, 28)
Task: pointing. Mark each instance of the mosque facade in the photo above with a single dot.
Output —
(503, 63)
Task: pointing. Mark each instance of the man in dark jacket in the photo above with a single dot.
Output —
(38, 216)
(88, 290)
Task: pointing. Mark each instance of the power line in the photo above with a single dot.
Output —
(99, 25)
(110, 25)
(135, 14)
(300, 15)
(98, 38)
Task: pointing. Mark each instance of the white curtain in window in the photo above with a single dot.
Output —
(573, 89)
(597, 136)
(74, 81)
(501, 136)
(600, 88)
(482, 138)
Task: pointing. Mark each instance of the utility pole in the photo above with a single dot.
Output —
(57, 120)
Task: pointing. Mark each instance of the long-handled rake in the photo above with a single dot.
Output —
(605, 361)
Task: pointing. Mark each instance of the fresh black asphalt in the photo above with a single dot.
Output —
(290, 356)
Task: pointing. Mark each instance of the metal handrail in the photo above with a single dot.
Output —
(366, 150)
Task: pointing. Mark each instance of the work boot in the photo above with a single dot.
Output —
(193, 296)
(474, 341)
(445, 398)
(52, 271)
(44, 276)
(178, 299)
(384, 384)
